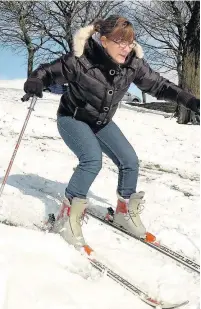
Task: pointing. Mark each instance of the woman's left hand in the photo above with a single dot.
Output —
(194, 105)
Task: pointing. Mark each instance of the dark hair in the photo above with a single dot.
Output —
(115, 27)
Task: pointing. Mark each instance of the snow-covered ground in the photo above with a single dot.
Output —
(39, 270)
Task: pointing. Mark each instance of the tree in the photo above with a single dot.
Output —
(170, 37)
(60, 19)
(17, 30)
(45, 28)
(190, 77)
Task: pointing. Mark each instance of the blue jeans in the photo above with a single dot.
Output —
(88, 147)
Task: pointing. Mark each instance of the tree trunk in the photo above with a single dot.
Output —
(144, 97)
(179, 63)
(30, 61)
(191, 59)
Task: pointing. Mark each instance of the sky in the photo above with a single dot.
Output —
(12, 66)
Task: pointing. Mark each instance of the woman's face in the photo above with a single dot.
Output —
(118, 50)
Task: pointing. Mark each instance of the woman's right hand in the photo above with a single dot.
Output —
(34, 86)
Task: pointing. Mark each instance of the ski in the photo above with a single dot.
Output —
(103, 268)
(182, 259)
(132, 288)
(100, 266)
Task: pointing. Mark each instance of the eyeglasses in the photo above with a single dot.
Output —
(123, 44)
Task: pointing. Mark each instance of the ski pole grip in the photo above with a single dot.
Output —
(26, 97)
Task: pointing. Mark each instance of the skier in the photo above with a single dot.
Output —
(104, 62)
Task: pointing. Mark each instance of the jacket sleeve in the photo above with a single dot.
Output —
(59, 71)
(154, 84)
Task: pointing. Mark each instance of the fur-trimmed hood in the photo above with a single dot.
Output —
(83, 34)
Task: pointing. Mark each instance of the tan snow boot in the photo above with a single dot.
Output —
(127, 214)
(69, 220)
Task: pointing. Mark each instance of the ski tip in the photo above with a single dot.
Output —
(88, 250)
(184, 303)
(150, 237)
(163, 305)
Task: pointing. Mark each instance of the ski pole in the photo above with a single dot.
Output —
(26, 97)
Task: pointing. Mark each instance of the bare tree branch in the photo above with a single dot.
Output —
(165, 27)
(17, 31)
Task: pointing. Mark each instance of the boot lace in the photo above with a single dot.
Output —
(83, 218)
(134, 213)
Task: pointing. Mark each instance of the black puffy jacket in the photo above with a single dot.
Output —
(97, 83)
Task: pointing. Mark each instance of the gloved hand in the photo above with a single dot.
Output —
(34, 86)
(194, 105)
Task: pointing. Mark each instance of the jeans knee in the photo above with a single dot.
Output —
(132, 163)
(92, 165)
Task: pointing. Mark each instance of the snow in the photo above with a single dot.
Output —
(39, 270)
(12, 83)
(143, 110)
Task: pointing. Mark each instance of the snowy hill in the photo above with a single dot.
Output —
(39, 270)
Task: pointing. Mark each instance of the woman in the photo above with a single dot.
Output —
(105, 60)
